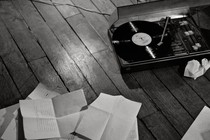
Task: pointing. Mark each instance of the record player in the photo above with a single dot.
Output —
(160, 33)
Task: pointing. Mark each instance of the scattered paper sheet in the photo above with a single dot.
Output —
(65, 117)
(11, 131)
(194, 69)
(109, 118)
(42, 92)
(8, 122)
(133, 134)
(52, 118)
(200, 128)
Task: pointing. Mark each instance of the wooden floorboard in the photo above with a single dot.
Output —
(15, 62)
(187, 97)
(65, 45)
(20, 32)
(169, 106)
(9, 91)
(98, 21)
(160, 127)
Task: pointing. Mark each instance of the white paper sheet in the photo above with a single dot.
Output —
(7, 122)
(110, 118)
(42, 92)
(200, 128)
(11, 131)
(133, 134)
(194, 69)
(45, 118)
(8, 115)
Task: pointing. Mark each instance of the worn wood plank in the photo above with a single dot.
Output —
(59, 58)
(119, 3)
(46, 74)
(67, 9)
(180, 90)
(160, 127)
(144, 133)
(86, 33)
(98, 21)
(15, 63)
(132, 91)
(95, 75)
(87, 64)
(105, 6)
(108, 62)
(201, 86)
(170, 107)
(80, 25)
(9, 92)
(21, 34)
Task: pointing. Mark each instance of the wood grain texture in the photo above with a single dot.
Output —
(20, 32)
(170, 107)
(87, 34)
(89, 67)
(46, 74)
(9, 92)
(119, 3)
(180, 90)
(201, 86)
(105, 6)
(66, 8)
(107, 60)
(61, 61)
(144, 133)
(160, 127)
(98, 21)
(15, 62)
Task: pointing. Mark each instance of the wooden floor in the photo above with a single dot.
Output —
(66, 47)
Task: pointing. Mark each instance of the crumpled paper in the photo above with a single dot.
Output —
(194, 69)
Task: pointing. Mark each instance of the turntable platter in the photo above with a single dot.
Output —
(138, 40)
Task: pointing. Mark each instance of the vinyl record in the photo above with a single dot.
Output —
(139, 40)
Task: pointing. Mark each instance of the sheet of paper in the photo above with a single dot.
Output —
(67, 124)
(11, 131)
(109, 118)
(69, 103)
(194, 69)
(7, 115)
(93, 123)
(133, 134)
(50, 118)
(123, 111)
(200, 128)
(42, 92)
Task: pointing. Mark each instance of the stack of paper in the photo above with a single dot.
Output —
(200, 129)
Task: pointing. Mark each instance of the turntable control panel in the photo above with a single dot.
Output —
(186, 36)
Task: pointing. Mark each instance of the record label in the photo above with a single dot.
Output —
(141, 39)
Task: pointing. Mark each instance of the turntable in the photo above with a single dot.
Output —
(160, 33)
